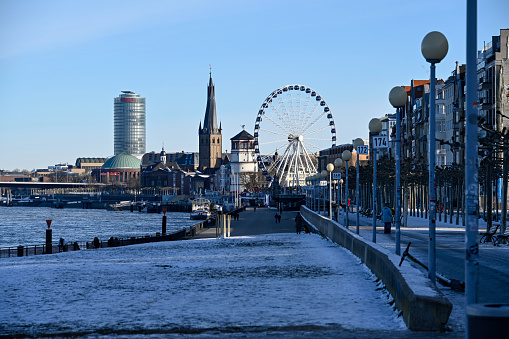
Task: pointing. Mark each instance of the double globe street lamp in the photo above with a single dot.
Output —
(356, 143)
(338, 162)
(434, 48)
(346, 155)
(398, 99)
(330, 168)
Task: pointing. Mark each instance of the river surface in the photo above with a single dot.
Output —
(27, 225)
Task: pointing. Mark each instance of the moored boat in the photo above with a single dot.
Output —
(200, 209)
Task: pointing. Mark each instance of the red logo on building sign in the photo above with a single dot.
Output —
(126, 99)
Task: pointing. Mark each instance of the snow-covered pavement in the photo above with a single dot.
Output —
(267, 283)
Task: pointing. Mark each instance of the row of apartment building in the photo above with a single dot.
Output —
(492, 103)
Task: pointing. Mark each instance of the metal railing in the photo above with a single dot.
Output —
(39, 249)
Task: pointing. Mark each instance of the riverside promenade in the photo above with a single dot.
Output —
(262, 221)
(265, 280)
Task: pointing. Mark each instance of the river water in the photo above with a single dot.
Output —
(27, 225)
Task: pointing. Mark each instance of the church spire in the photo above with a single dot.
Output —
(210, 121)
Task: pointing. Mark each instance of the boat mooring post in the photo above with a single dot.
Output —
(49, 238)
(229, 220)
(164, 222)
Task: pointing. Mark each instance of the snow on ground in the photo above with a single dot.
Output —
(268, 281)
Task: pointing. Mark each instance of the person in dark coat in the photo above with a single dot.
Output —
(387, 218)
(298, 222)
(97, 244)
(61, 244)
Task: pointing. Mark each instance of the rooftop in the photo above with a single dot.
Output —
(122, 160)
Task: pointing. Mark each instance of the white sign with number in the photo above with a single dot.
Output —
(336, 176)
(362, 149)
(380, 142)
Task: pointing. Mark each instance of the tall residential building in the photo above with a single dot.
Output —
(454, 96)
(210, 136)
(493, 81)
(129, 124)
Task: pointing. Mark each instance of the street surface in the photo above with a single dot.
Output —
(494, 271)
(450, 258)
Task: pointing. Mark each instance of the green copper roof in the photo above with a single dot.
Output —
(122, 160)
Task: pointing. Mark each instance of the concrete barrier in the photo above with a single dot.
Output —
(423, 306)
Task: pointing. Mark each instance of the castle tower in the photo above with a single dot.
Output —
(210, 136)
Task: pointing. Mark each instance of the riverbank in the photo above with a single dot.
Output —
(283, 283)
(27, 225)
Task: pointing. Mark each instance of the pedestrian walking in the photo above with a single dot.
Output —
(276, 216)
(387, 218)
(61, 245)
(298, 222)
(279, 218)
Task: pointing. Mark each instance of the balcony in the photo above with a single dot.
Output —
(485, 83)
(485, 103)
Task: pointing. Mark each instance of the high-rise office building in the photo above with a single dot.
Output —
(129, 124)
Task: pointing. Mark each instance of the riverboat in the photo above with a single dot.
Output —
(200, 209)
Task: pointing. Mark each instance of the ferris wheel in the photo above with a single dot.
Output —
(293, 124)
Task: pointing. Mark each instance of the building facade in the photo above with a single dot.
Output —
(129, 124)
(122, 168)
(210, 138)
(243, 164)
(167, 177)
(187, 161)
(493, 81)
(454, 97)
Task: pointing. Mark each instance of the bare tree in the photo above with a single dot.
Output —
(251, 181)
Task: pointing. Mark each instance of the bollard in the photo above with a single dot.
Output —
(132, 207)
(49, 238)
(20, 251)
(164, 222)
(487, 321)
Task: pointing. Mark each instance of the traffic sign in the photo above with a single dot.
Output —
(380, 142)
(362, 149)
(336, 176)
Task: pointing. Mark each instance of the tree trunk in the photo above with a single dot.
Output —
(489, 193)
(458, 203)
(505, 163)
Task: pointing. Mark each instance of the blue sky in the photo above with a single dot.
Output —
(63, 62)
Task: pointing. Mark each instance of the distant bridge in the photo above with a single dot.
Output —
(49, 185)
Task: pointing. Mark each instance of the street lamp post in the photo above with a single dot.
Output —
(338, 163)
(330, 168)
(472, 164)
(375, 126)
(324, 175)
(357, 142)
(398, 98)
(434, 48)
(347, 155)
